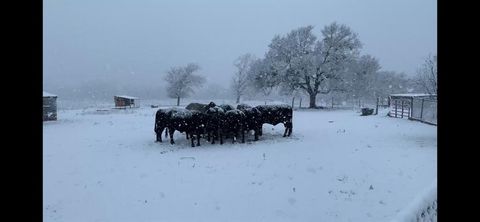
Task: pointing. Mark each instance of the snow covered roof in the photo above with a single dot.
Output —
(46, 94)
(127, 97)
(412, 95)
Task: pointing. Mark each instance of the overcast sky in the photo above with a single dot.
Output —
(138, 40)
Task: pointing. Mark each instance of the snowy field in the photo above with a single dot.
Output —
(337, 166)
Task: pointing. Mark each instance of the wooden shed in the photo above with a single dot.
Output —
(49, 106)
(124, 101)
(405, 105)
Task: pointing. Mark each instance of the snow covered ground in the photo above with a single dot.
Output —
(337, 166)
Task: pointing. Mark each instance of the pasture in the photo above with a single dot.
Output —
(336, 166)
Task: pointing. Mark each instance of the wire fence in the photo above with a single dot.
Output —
(424, 110)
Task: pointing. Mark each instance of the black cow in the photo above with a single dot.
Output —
(198, 123)
(161, 122)
(190, 122)
(200, 107)
(234, 124)
(227, 107)
(275, 114)
(243, 106)
(253, 119)
(215, 122)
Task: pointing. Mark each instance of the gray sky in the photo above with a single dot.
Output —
(138, 40)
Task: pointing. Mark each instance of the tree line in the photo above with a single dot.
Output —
(300, 63)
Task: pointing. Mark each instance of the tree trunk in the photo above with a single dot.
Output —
(313, 100)
(178, 101)
(238, 98)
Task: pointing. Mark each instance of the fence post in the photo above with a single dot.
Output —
(293, 102)
(396, 101)
(411, 108)
(332, 102)
(376, 110)
(402, 107)
(300, 105)
(421, 111)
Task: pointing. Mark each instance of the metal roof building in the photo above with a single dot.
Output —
(123, 101)
(49, 106)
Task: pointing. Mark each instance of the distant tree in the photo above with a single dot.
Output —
(263, 76)
(240, 78)
(181, 81)
(360, 80)
(389, 82)
(213, 91)
(313, 66)
(427, 75)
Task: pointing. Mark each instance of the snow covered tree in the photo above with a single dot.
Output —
(313, 66)
(240, 79)
(427, 75)
(181, 81)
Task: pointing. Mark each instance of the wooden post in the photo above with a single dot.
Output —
(402, 107)
(411, 108)
(293, 101)
(300, 105)
(376, 110)
(396, 101)
(421, 110)
(332, 102)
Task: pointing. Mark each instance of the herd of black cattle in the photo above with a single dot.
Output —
(216, 122)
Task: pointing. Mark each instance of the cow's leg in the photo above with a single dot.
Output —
(285, 124)
(171, 131)
(192, 139)
(260, 130)
(243, 136)
(214, 136)
(290, 128)
(166, 132)
(220, 134)
(159, 135)
(186, 134)
(208, 136)
(198, 139)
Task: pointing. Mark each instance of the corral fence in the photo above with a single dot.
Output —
(419, 107)
(424, 110)
(341, 103)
